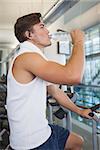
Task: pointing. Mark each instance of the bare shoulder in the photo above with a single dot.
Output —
(24, 67)
(28, 58)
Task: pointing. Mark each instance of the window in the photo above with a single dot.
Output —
(89, 93)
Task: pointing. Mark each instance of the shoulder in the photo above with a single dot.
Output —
(27, 56)
(28, 59)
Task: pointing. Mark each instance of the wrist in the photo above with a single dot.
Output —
(79, 112)
(78, 43)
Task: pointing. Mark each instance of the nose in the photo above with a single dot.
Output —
(47, 30)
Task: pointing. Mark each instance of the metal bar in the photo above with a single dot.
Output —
(94, 136)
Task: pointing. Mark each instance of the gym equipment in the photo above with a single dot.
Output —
(4, 127)
(95, 121)
(63, 114)
(54, 109)
(11, 54)
(52, 106)
(93, 109)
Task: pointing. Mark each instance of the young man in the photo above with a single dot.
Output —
(29, 79)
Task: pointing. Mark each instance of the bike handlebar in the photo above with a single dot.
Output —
(91, 114)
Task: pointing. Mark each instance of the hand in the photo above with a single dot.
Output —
(85, 113)
(77, 36)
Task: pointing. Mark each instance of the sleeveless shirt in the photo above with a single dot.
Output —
(26, 107)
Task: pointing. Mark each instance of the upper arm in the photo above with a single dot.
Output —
(46, 70)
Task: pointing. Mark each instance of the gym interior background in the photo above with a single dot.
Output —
(66, 15)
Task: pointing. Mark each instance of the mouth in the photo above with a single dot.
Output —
(50, 36)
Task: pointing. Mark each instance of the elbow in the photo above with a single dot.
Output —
(74, 80)
(77, 79)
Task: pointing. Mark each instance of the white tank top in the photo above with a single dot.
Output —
(26, 107)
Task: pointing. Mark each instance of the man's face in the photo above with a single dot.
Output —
(40, 36)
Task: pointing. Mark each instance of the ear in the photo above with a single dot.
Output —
(29, 35)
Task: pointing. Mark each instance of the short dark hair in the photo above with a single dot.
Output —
(24, 24)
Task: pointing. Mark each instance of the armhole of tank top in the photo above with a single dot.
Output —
(12, 63)
(11, 72)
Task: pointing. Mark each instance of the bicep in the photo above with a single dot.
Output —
(46, 70)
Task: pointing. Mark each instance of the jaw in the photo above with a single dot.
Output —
(40, 44)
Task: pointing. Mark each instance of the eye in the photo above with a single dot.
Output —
(42, 26)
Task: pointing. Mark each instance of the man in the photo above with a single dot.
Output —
(29, 79)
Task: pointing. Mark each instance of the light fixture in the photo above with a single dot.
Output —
(57, 10)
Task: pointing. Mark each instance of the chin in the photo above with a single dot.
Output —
(47, 44)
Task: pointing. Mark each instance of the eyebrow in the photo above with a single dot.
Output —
(42, 24)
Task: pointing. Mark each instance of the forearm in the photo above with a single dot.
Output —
(76, 61)
(63, 99)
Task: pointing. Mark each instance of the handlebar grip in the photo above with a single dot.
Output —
(91, 114)
(95, 107)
